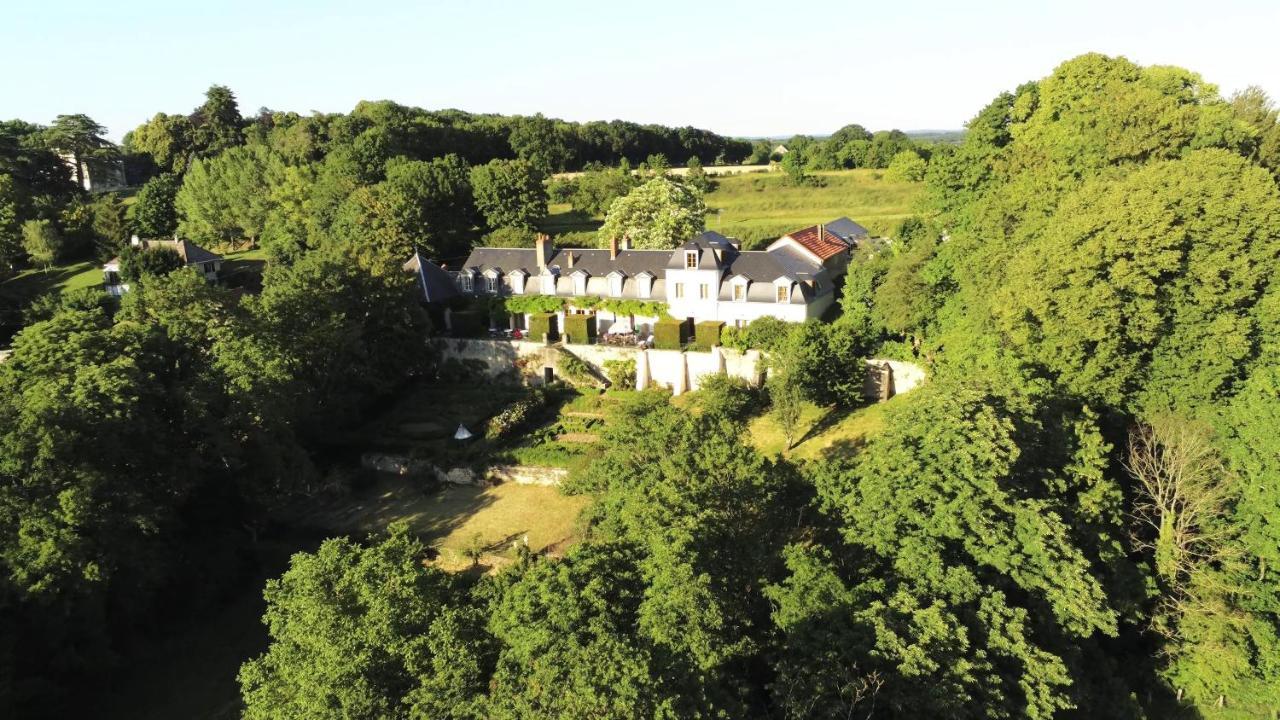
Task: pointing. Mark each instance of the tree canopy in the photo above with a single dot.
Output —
(657, 215)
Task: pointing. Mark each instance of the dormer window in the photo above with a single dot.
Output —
(516, 281)
(739, 292)
(580, 283)
(548, 283)
(491, 284)
(784, 293)
(464, 281)
(615, 284)
(644, 285)
(691, 260)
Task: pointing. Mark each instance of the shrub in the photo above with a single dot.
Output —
(541, 324)
(707, 333)
(516, 414)
(580, 328)
(725, 396)
(764, 333)
(621, 373)
(467, 323)
(575, 369)
(670, 334)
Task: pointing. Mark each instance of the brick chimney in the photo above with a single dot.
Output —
(542, 245)
(613, 249)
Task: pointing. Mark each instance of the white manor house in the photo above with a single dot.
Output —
(708, 278)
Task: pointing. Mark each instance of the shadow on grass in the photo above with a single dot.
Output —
(244, 273)
(569, 221)
(832, 417)
(433, 510)
(26, 286)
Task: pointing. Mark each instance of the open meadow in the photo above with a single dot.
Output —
(760, 206)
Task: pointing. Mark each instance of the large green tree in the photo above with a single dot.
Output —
(660, 214)
(422, 203)
(956, 586)
(227, 198)
(1149, 285)
(509, 193)
(167, 139)
(217, 124)
(153, 212)
(364, 633)
(82, 138)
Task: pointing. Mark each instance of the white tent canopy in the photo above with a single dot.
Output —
(462, 433)
(619, 327)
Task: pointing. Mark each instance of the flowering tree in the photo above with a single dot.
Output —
(658, 215)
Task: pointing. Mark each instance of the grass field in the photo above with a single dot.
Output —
(30, 283)
(762, 206)
(758, 207)
(453, 517)
(825, 433)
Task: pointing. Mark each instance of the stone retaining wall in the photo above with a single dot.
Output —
(676, 370)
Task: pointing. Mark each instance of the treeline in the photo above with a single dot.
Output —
(1075, 517)
(377, 131)
(383, 179)
(274, 158)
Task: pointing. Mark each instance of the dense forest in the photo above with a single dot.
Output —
(1078, 516)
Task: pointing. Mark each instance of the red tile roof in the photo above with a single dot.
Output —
(822, 244)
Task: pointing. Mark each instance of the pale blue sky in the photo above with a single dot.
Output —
(741, 68)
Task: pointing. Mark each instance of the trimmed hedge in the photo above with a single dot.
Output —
(707, 333)
(543, 324)
(580, 329)
(467, 323)
(670, 334)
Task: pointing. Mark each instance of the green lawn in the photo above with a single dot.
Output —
(825, 433)
(758, 207)
(453, 517)
(30, 283)
(244, 269)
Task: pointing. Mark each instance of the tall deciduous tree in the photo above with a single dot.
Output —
(660, 214)
(509, 193)
(227, 198)
(424, 203)
(1150, 284)
(167, 139)
(358, 633)
(955, 586)
(42, 241)
(154, 213)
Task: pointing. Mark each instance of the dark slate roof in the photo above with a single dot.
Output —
(756, 265)
(847, 230)
(190, 252)
(434, 283)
